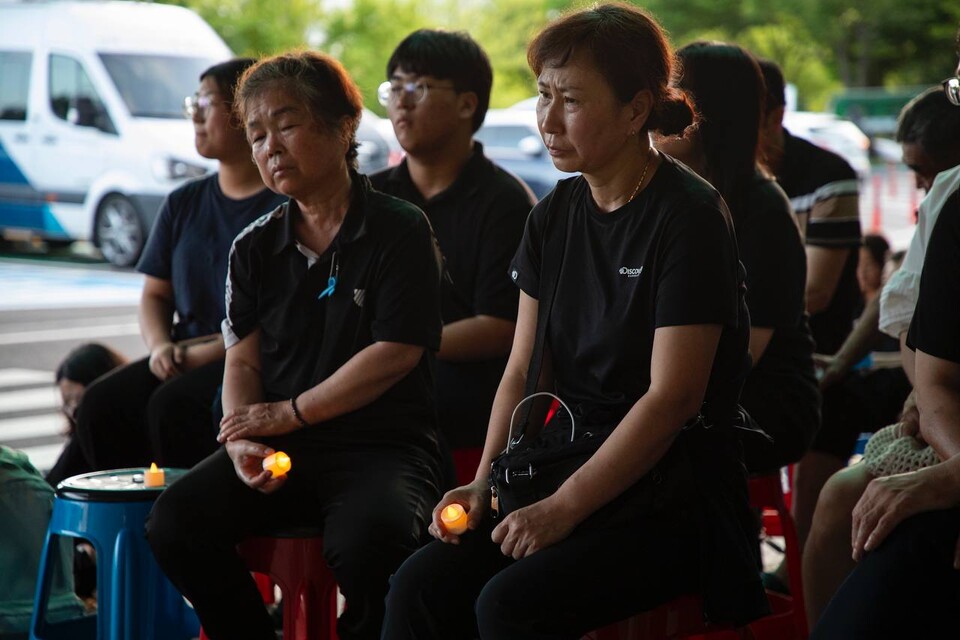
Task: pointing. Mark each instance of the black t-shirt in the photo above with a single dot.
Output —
(667, 258)
(935, 328)
(189, 245)
(387, 289)
(824, 193)
(478, 222)
(771, 250)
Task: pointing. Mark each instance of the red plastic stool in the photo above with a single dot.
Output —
(789, 612)
(297, 566)
(680, 618)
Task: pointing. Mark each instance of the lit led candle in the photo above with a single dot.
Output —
(153, 477)
(277, 463)
(454, 519)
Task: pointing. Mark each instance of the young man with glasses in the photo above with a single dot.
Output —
(436, 95)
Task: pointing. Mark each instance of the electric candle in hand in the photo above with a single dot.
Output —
(153, 477)
(277, 463)
(454, 519)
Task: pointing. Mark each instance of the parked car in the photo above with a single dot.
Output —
(375, 151)
(833, 133)
(511, 139)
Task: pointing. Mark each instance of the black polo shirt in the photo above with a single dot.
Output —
(667, 258)
(478, 222)
(387, 290)
(824, 193)
(935, 328)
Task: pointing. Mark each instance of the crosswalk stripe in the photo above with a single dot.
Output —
(40, 432)
(44, 456)
(10, 377)
(48, 424)
(75, 333)
(28, 400)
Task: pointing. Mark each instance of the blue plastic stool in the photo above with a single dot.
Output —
(135, 601)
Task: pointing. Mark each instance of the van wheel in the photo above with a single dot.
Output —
(119, 231)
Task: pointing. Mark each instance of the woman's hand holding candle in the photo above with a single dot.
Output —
(248, 457)
(454, 519)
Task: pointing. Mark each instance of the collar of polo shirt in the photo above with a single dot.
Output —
(354, 224)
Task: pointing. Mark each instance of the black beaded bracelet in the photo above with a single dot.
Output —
(296, 413)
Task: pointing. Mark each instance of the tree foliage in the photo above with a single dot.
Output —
(822, 45)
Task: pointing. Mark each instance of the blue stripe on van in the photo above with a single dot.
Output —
(18, 211)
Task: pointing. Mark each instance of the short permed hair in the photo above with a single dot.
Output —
(447, 55)
(628, 48)
(319, 81)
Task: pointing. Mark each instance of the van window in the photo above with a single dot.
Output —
(72, 96)
(154, 86)
(14, 84)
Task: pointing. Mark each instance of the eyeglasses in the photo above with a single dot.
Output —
(197, 103)
(951, 87)
(391, 93)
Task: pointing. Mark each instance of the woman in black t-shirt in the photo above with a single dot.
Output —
(781, 392)
(647, 329)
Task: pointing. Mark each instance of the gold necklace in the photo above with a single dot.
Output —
(643, 175)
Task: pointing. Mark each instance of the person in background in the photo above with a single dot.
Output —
(160, 408)
(436, 94)
(781, 392)
(824, 193)
(647, 329)
(930, 119)
(333, 312)
(905, 527)
(871, 266)
(26, 502)
(78, 370)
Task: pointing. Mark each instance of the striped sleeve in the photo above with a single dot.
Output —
(832, 213)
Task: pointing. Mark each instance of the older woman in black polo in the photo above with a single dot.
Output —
(332, 309)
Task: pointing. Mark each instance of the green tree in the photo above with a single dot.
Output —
(259, 27)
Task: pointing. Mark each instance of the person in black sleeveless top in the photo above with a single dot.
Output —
(647, 329)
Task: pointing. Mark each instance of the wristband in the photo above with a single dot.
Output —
(297, 414)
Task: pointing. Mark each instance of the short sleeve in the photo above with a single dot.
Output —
(935, 328)
(407, 295)
(495, 294)
(157, 256)
(772, 254)
(525, 266)
(241, 286)
(697, 279)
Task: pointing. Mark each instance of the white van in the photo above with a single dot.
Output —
(92, 131)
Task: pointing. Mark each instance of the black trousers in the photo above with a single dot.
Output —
(372, 505)
(906, 588)
(593, 578)
(129, 418)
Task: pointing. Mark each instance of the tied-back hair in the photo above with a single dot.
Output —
(317, 80)
(932, 123)
(774, 83)
(631, 52)
(728, 89)
(447, 55)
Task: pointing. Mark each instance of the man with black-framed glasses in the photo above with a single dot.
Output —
(436, 94)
